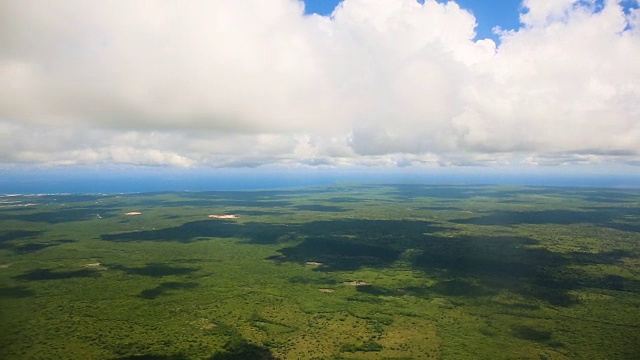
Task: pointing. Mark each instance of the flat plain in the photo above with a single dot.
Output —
(349, 271)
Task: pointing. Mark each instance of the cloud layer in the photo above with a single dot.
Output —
(246, 83)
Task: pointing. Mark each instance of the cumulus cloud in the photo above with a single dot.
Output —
(379, 82)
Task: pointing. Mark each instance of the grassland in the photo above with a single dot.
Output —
(338, 272)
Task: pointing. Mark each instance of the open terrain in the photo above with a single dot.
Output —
(351, 271)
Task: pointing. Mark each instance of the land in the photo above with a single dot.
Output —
(230, 216)
(350, 271)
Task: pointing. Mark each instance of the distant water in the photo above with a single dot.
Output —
(156, 180)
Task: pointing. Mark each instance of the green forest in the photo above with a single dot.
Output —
(347, 271)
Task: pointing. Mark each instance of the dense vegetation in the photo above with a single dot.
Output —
(341, 272)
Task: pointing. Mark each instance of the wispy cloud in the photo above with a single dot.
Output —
(380, 82)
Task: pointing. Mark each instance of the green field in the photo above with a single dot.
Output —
(338, 272)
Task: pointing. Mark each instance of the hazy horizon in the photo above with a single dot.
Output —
(141, 180)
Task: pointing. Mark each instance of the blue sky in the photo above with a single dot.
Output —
(384, 84)
(488, 13)
(492, 13)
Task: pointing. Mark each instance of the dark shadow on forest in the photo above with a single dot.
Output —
(6, 236)
(62, 215)
(510, 263)
(616, 283)
(470, 266)
(16, 292)
(31, 248)
(48, 274)
(604, 217)
(483, 265)
(35, 247)
(156, 270)
(465, 266)
(256, 233)
(544, 337)
(165, 288)
(339, 255)
(352, 244)
(184, 233)
(529, 333)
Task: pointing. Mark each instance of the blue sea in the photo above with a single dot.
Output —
(137, 180)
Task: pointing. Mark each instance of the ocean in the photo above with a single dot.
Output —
(138, 180)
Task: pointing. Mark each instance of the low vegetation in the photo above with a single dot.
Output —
(340, 272)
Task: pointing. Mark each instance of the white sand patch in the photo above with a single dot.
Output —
(313, 263)
(133, 213)
(355, 283)
(326, 290)
(230, 216)
(4, 266)
(95, 265)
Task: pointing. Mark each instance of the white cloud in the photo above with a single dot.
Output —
(243, 83)
(568, 86)
(543, 12)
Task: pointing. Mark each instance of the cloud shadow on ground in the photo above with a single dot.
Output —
(48, 274)
(165, 288)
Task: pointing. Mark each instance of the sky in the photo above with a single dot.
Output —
(385, 84)
(489, 14)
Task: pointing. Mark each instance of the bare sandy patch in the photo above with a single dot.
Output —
(4, 266)
(230, 216)
(326, 290)
(313, 263)
(95, 265)
(355, 283)
(133, 213)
